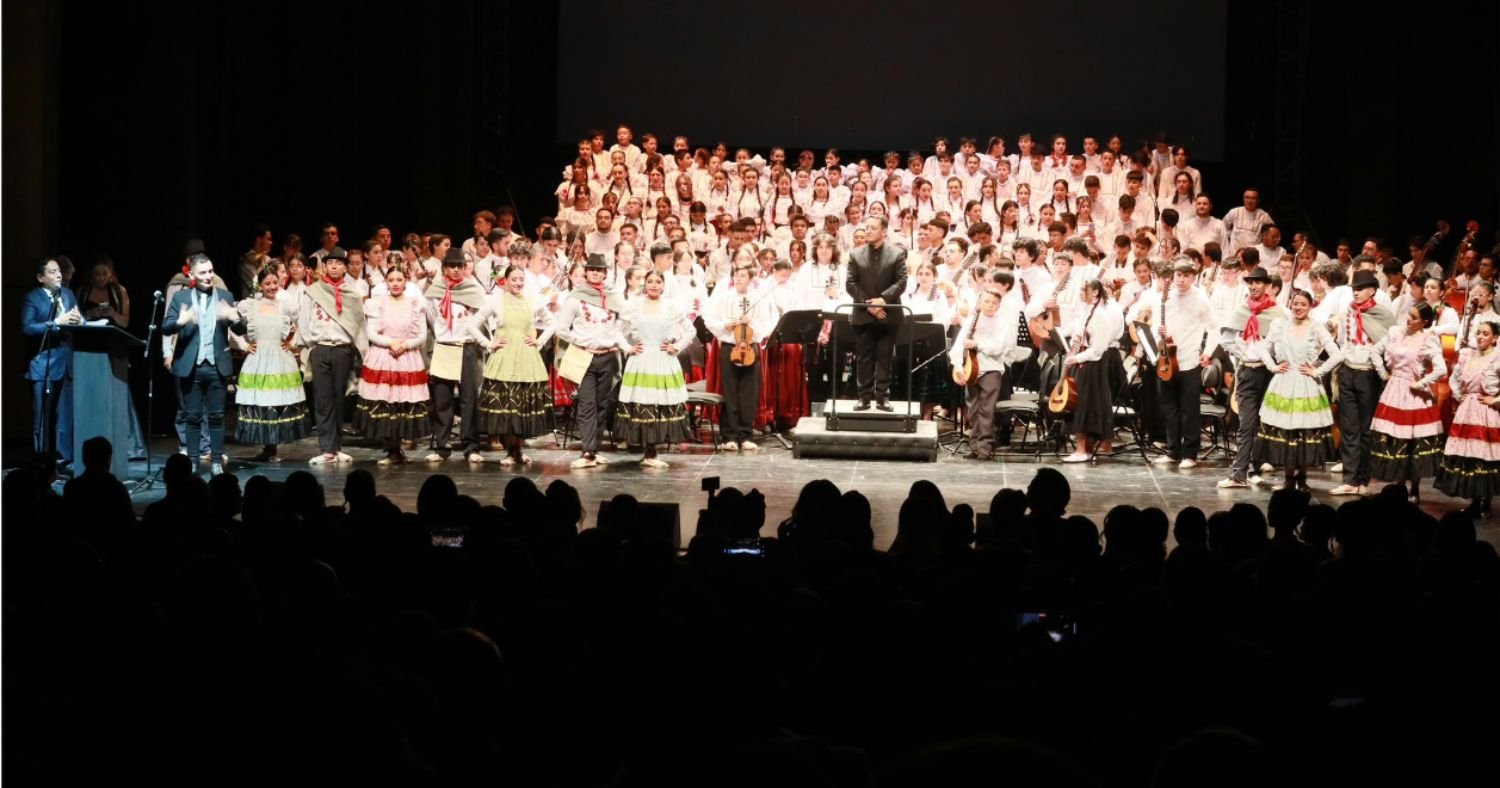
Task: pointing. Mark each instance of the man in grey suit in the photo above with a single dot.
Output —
(877, 276)
(202, 316)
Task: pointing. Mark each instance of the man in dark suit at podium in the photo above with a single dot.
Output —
(47, 307)
(201, 317)
(877, 275)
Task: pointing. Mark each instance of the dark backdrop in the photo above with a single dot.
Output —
(131, 128)
(894, 74)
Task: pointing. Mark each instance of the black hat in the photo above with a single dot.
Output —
(194, 247)
(337, 253)
(1257, 274)
(1363, 279)
(596, 261)
(454, 258)
(496, 236)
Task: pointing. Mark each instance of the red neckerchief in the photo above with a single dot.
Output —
(338, 293)
(1360, 337)
(1252, 326)
(599, 287)
(447, 305)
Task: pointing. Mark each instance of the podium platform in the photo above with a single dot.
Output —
(840, 415)
(814, 439)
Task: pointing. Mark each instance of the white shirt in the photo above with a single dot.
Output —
(995, 338)
(1194, 232)
(601, 243)
(1038, 288)
(726, 306)
(1242, 228)
(1099, 333)
(1190, 322)
(590, 327)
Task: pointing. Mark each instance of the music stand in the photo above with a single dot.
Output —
(101, 398)
(796, 327)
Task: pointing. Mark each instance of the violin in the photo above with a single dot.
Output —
(744, 351)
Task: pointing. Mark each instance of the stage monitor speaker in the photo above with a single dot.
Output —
(657, 521)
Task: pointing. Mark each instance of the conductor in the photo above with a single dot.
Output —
(877, 276)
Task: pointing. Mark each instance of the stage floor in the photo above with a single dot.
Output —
(772, 470)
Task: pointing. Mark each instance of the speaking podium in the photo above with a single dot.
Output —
(101, 390)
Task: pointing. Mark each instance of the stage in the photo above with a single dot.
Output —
(772, 470)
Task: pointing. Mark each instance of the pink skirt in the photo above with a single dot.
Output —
(387, 378)
(1475, 433)
(1405, 414)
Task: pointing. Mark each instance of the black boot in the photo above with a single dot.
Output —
(1473, 509)
(1484, 507)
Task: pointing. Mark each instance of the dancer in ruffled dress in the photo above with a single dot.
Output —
(1296, 419)
(393, 395)
(269, 398)
(653, 395)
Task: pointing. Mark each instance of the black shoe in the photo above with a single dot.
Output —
(1472, 510)
(884, 405)
(862, 406)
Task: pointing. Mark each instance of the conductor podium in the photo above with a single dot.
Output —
(101, 390)
(899, 434)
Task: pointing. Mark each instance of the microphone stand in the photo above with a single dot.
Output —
(150, 480)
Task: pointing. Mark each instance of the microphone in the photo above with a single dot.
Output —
(156, 296)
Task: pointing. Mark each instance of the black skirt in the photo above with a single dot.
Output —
(1097, 383)
(391, 420)
(1404, 459)
(1468, 477)
(1293, 448)
(513, 408)
(262, 425)
(648, 425)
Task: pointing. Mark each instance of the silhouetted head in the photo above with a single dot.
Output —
(97, 453)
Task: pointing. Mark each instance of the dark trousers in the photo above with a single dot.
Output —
(330, 367)
(1179, 405)
(596, 399)
(875, 348)
(203, 395)
(1359, 392)
(179, 423)
(741, 389)
(52, 419)
(979, 400)
(443, 405)
(1249, 390)
(1150, 405)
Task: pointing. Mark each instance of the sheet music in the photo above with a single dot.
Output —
(1147, 336)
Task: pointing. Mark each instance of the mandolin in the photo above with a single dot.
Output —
(1064, 396)
(968, 374)
(1166, 359)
